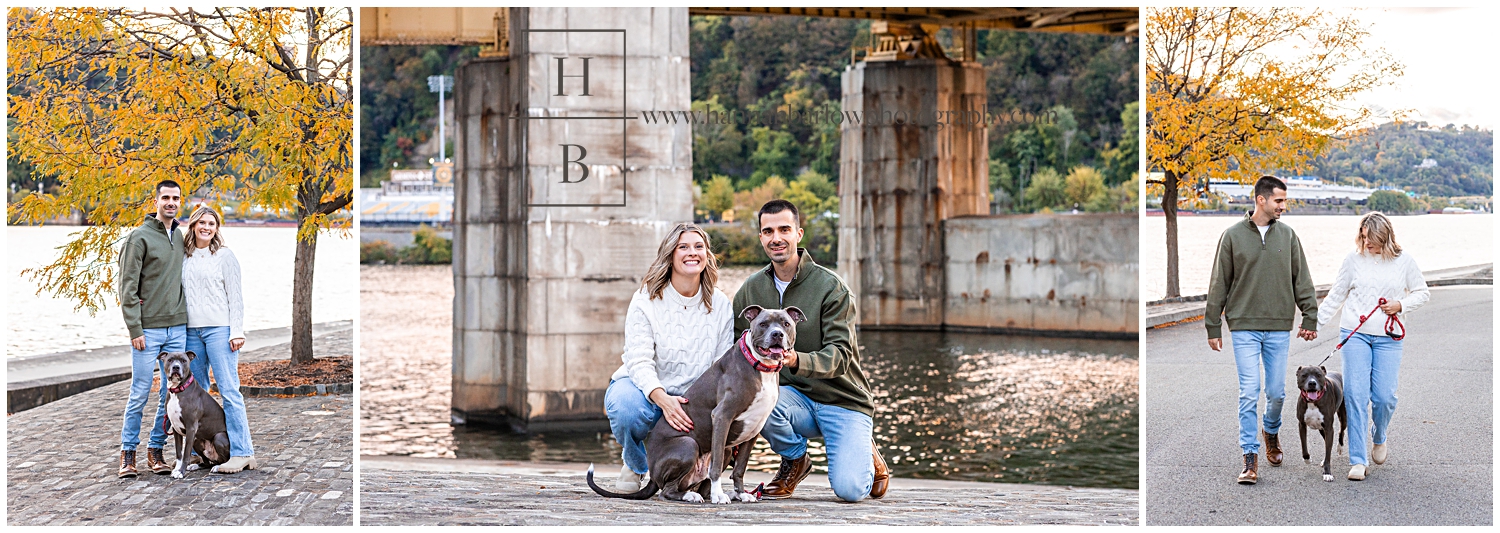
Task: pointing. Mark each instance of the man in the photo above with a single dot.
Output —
(823, 390)
(1260, 275)
(155, 311)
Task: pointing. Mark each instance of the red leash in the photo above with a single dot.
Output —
(1391, 323)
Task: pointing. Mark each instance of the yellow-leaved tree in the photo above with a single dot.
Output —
(1232, 93)
(251, 105)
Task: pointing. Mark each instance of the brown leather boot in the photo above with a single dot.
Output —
(882, 475)
(1273, 447)
(788, 475)
(156, 463)
(1249, 475)
(127, 463)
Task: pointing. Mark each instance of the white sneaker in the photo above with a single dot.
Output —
(1378, 454)
(236, 464)
(1357, 473)
(629, 481)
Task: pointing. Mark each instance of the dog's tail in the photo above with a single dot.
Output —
(648, 491)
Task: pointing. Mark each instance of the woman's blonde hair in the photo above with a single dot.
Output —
(660, 273)
(1377, 227)
(190, 239)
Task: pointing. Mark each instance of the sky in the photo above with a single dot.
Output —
(1450, 70)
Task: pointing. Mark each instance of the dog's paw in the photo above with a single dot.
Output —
(177, 474)
(692, 497)
(747, 497)
(1307, 460)
(1327, 477)
(720, 497)
(192, 467)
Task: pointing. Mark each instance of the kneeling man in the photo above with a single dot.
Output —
(824, 393)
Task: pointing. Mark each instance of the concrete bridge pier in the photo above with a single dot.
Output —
(901, 175)
(540, 289)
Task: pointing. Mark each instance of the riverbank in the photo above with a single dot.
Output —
(36, 380)
(408, 491)
(1171, 311)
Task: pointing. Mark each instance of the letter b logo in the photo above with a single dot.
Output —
(581, 154)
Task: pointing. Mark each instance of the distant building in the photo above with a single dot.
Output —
(417, 196)
(1297, 188)
(1427, 163)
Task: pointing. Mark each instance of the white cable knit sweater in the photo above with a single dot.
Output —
(1363, 280)
(671, 340)
(211, 283)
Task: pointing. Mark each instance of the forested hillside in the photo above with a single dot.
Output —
(1448, 161)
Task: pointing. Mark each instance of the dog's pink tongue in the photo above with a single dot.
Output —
(775, 350)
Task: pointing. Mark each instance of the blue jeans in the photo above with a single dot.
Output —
(631, 417)
(1370, 366)
(1252, 349)
(847, 437)
(142, 364)
(211, 345)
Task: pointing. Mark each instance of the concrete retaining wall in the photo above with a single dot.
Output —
(1073, 275)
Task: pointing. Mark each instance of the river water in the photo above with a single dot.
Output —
(949, 406)
(1435, 241)
(41, 324)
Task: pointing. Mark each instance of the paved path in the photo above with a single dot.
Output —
(1441, 437)
(304, 446)
(407, 491)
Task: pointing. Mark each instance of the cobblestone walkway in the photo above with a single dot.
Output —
(62, 458)
(393, 492)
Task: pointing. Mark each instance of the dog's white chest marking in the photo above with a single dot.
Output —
(1313, 418)
(174, 415)
(754, 417)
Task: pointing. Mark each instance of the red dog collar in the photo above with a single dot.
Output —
(184, 386)
(745, 349)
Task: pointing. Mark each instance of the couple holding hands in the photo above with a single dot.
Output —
(678, 325)
(1260, 275)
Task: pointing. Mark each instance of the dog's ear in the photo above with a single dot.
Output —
(161, 355)
(795, 313)
(1320, 367)
(751, 312)
(191, 355)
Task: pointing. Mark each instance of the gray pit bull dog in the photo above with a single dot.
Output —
(1321, 398)
(728, 405)
(192, 416)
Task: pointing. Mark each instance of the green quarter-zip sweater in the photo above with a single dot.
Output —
(827, 353)
(151, 278)
(1257, 284)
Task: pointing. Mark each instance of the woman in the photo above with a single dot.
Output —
(676, 327)
(1376, 271)
(216, 326)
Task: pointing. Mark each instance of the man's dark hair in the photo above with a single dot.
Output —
(167, 183)
(1267, 185)
(776, 206)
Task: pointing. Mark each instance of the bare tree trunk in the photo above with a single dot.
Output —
(1169, 208)
(302, 276)
(302, 296)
